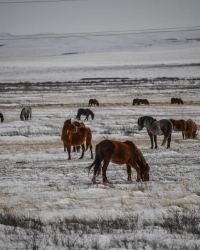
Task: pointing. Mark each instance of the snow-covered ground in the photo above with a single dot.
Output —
(37, 180)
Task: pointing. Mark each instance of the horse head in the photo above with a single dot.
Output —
(68, 125)
(145, 169)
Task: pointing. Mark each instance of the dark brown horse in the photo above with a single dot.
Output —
(93, 102)
(188, 128)
(76, 136)
(176, 101)
(119, 153)
(85, 112)
(1, 117)
(140, 101)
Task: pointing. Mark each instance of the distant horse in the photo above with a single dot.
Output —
(85, 112)
(188, 128)
(154, 128)
(119, 153)
(176, 101)
(26, 113)
(76, 136)
(93, 102)
(1, 117)
(140, 101)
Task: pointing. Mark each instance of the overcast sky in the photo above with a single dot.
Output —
(65, 16)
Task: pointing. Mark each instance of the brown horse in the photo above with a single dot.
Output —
(1, 117)
(77, 124)
(188, 128)
(119, 153)
(140, 101)
(76, 136)
(93, 102)
(191, 132)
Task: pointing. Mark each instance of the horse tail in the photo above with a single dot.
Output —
(22, 113)
(78, 116)
(96, 165)
(1, 116)
(168, 133)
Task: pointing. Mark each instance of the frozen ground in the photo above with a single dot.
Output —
(48, 202)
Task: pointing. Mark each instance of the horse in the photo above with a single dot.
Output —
(140, 101)
(176, 101)
(77, 124)
(76, 136)
(188, 128)
(119, 153)
(1, 117)
(179, 125)
(154, 128)
(85, 112)
(26, 113)
(93, 102)
(191, 132)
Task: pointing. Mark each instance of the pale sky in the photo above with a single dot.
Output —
(75, 16)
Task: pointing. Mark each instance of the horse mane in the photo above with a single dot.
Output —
(140, 158)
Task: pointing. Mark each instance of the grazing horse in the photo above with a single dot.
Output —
(176, 101)
(119, 153)
(179, 125)
(93, 102)
(85, 112)
(76, 136)
(188, 128)
(154, 128)
(26, 113)
(191, 131)
(140, 101)
(1, 117)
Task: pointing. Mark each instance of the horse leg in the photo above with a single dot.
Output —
(91, 151)
(83, 151)
(169, 140)
(104, 168)
(64, 148)
(137, 168)
(183, 135)
(69, 151)
(74, 149)
(155, 141)
(151, 138)
(128, 169)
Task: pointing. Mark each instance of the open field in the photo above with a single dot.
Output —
(63, 209)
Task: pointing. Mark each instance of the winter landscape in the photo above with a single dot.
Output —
(48, 201)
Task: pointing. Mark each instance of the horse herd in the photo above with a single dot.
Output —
(78, 135)
(138, 101)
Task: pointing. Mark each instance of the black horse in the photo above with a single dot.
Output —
(85, 112)
(140, 101)
(26, 113)
(154, 128)
(176, 101)
(1, 117)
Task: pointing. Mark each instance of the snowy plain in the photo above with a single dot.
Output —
(58, 75)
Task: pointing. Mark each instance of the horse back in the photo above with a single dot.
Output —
(116, 151)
